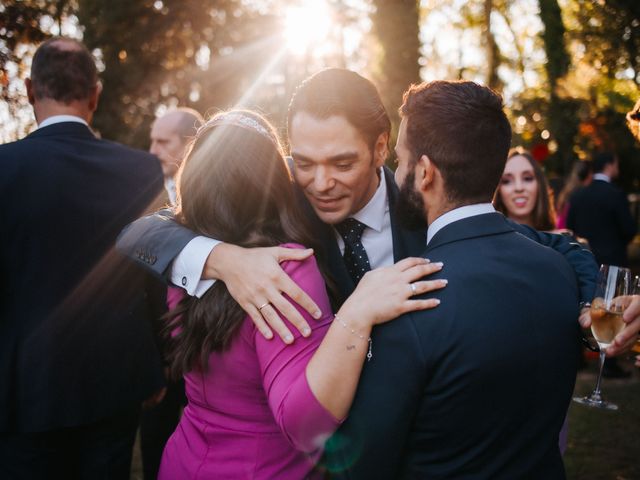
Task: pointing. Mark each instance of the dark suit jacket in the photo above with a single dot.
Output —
(154, 241)
(600, 213)
(478, 387)
(76, 344)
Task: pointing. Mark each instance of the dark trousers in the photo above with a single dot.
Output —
(156, 426)
(101, 451)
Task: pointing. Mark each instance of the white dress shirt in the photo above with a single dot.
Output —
(59, 119)
(602, 176)
(456, 214)
(377, 241)
(170, 187)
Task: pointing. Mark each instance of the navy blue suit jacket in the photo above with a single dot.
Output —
(478, 387)
(600, 213)
(76, 345)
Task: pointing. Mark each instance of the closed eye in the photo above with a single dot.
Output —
(302, 165)
(344, 166)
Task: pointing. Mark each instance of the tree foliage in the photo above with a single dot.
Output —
(22, 25)
(568, 70)
(171, 52)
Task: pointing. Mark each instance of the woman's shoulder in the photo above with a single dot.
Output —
(307, 265)
(294, 245)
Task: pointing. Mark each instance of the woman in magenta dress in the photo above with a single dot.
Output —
(260, 409)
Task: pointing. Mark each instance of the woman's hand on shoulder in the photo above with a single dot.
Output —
(386, 293)
(255, 279)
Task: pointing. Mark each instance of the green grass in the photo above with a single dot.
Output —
(605, 445)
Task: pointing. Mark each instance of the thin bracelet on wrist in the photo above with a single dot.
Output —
(344, 324)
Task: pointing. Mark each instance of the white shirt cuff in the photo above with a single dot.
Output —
(186, 271)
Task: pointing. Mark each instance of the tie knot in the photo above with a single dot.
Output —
(351, 230)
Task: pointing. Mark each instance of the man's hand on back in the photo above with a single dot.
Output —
(256, 281)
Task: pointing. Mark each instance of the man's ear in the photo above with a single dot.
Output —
(425, 172)
(95, 96)
(30, 95)
(381, 149)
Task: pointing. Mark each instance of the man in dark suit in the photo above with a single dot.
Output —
(478, 387)
(77, 352)
(338, 133)
(600, 213)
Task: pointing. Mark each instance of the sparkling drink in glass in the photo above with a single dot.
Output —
(607, 307)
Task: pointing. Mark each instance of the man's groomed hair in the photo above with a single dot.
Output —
(341, 92)
(462, 128)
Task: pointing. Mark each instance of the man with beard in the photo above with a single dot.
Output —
(478, 387)
(338, 133)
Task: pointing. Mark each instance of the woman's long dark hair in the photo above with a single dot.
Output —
(234, 186)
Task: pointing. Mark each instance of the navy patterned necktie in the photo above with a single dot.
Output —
(355, 256)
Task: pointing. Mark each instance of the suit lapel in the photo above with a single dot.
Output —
(406, 243)
(338, 268)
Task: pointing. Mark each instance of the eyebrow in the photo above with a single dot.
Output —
(334, 159)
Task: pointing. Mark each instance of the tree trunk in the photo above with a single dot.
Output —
(562, 114)
(396, 25)
(493, 54)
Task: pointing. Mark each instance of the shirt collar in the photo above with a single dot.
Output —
(61, 118)
(170, 187)
(457, 214)
(372, 214)
(602, 176)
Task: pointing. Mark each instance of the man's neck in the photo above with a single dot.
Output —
(436, 211)
(46, 108)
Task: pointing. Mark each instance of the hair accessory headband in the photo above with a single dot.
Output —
(242, 121)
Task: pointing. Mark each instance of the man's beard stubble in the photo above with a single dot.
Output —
(410, 209)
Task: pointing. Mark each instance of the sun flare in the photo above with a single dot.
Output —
(306, 25)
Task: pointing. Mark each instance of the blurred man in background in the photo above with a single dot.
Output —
(170, 137)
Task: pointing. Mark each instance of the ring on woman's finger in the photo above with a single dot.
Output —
(262, 306)
(414, 290)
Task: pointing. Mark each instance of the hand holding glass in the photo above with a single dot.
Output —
(607, 307)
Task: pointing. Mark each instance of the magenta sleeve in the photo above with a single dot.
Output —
(174, 295)
(302, 419)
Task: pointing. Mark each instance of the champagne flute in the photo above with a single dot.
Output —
(606, 321)
(636, 291)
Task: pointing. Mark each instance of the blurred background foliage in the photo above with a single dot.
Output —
(568, 69)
